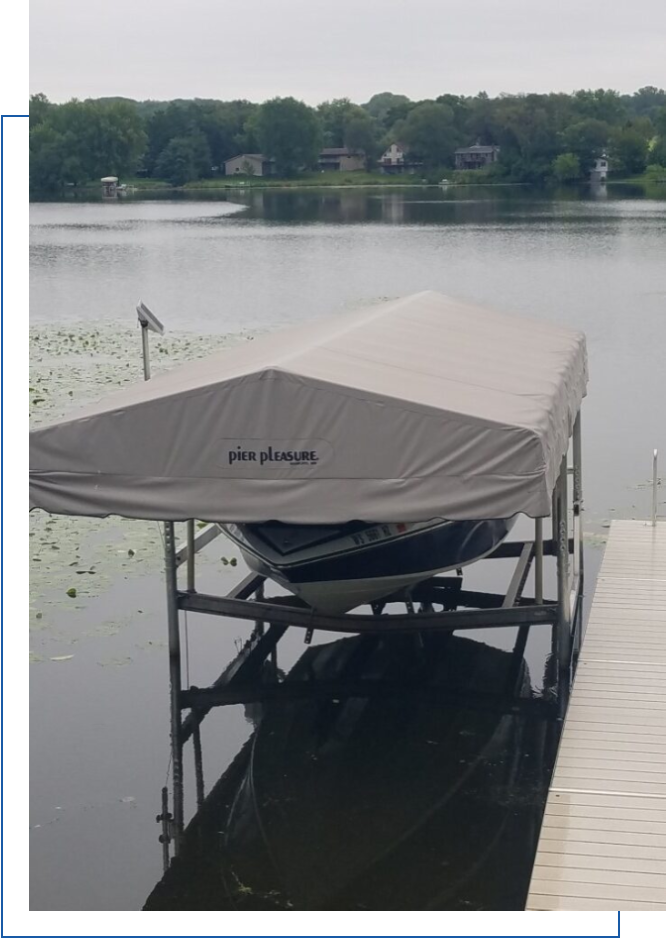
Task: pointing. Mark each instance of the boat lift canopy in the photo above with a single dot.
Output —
(406, 410)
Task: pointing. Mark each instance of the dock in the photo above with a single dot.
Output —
(603, 839)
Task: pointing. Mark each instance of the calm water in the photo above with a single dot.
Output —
(254, 261)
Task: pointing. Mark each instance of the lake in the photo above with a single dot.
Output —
(218, 267)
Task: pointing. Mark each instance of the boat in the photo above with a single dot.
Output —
(334, 568)
(403, 799)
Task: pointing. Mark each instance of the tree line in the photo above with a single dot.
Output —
(541, 136)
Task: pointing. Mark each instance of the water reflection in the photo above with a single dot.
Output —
(598, 190)
(427, 795)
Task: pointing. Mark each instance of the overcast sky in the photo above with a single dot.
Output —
(321, 49)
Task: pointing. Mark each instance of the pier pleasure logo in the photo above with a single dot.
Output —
(246, 455)
(295, 457)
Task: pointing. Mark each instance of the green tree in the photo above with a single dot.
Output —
(459, 106)
(181, 159)
(641, 125)
(46, 158)
(225, 126)
(659, 121)
(84, 140)
(345, 124)
(123, 134)
(480, 123)
(101, 139)
(628, 151)
(361, 132)
(602, 104)
(333, 116)
(587, 139)
(430, 134)
(525, 129)
(175, 121)
(646, 101)
(566, 167)
(657, 152)
(39, 109)
(387, 107)
(289, 132)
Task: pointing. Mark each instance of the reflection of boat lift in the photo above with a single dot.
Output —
(292, 795)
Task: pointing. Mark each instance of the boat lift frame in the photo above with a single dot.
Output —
(241, 681)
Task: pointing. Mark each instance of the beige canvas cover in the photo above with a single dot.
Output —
(406, 410)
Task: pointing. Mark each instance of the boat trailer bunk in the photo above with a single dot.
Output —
(440, 604)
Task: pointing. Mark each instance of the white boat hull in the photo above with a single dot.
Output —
(335, 570)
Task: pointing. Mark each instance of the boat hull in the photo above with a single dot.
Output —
(335, 569)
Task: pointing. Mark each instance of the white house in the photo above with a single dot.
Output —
(599, 171)
(396, 159)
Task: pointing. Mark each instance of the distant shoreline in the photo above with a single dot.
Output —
(312, 182)
(217, 185)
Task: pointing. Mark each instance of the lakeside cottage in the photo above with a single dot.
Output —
(249, 164)
(396, 159)
(599, 171)
(476, 156)
(341, 159)
(330, 158)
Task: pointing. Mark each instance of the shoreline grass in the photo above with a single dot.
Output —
(648, 178)
(348, 180)
(313, 180)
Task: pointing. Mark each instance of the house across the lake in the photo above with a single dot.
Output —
(249, 164)
(599, 171)
(341, 158)
(396, 159)
(476, 157)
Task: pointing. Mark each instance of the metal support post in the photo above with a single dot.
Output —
(175, 680)
(578, 559)
(563, 592)
(198, 764)
(191, 554)
(146, 352)
(538, 561)
(655, 483)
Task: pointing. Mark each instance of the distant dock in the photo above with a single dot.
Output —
(603, 840)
